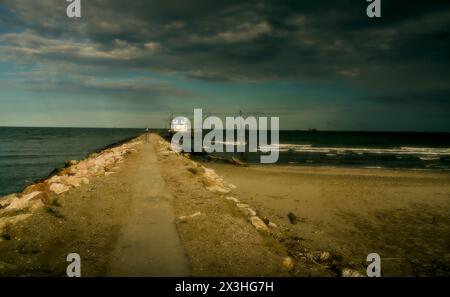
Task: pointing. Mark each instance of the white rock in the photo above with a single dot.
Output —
(6, 200)
(251, 212)
(272, 225)
(72, 181)
(56, 179)
(81, 173)
(218, 189)
(25, 201)
(36, 195)
(259, 224)
(211, 175)
(18, 203)
(59, 188)
(248, 211)
(232, 199)
(242, 205)
(184, 218)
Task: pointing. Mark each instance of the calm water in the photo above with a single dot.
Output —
(29, 154)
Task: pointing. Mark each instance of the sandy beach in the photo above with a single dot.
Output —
(141, 209)
(404, 216)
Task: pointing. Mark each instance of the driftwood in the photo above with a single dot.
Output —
(236, 161)
(233, 160)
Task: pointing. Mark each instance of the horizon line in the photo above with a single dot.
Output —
(302, 130)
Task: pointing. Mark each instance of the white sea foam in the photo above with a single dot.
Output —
(427, 152)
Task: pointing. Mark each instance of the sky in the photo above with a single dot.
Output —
(315, 64)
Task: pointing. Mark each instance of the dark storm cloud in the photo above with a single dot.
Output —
(228, 40)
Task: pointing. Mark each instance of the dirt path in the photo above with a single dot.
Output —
(148, 243)
(120, 224)
(127, 222)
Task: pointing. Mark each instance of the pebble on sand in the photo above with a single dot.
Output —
(325, 257)
(288, 263)
(185, 218)
(348, 272)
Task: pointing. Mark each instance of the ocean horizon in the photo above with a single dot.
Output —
(28, 154)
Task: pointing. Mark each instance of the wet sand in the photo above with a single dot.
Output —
(404, 216)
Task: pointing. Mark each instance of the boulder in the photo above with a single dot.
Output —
(210, 174)
(58, 188)
(248, 211)
(272, 225)
(26, 201)
(34, 196)
(42, 187)
(235, 200)
(218, 189)
(56, 179)
(259, 224)
(17, 204)
(71, 163)
(82, 173)
(6, 200)
(72, 181)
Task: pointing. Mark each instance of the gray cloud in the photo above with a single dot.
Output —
(230, 40)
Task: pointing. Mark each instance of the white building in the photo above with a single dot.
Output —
(179, 124)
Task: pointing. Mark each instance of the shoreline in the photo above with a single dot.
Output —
(88, 155)
(324, 168)
(18, 206)
(220, 210)
(402, 215)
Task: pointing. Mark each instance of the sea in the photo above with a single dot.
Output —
(376, 150)
(31, 154)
